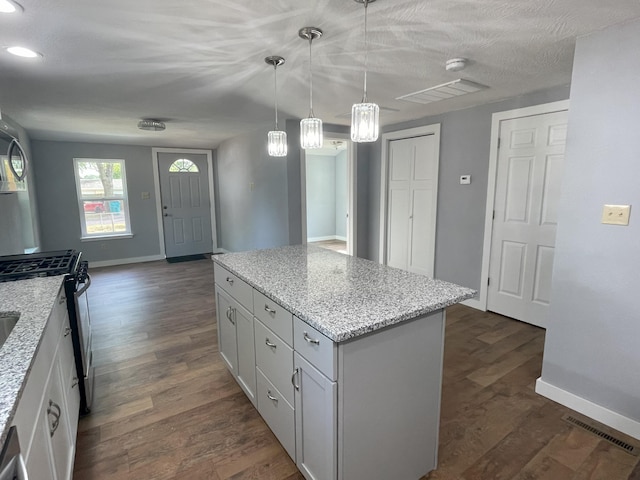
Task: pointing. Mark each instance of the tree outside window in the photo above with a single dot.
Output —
(102, 197)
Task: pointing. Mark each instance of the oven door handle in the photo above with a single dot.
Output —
(86, 285)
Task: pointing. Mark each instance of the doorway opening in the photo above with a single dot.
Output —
(328, 179)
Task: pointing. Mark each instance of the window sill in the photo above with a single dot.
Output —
(95, 238)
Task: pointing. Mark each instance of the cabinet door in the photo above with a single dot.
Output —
(39, 462)
(227, 341)
(246, 352)
(316, 422)
(57, 413)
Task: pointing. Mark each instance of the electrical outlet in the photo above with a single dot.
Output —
(145, 195)
(616, 214)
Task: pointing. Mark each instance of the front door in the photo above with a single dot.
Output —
(529, 172)
(186, 205)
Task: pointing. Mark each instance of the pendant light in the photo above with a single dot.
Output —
(311, 127)
(277, 139)
(365, 115)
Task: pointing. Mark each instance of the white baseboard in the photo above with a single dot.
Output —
(325, 238)
(125, 261)
(473, 303)
(597, 412)
(343, 239)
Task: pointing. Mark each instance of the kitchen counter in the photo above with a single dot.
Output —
(341, 296)
(33, 300)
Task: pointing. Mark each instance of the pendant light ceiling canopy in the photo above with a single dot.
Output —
(277, 139)
(365, 115)
(310, 127)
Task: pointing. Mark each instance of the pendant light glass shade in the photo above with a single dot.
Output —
(276, 139)
(277, 143)
(310, 127)
(365, 115)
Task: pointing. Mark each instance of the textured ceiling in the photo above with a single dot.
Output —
(198, 64)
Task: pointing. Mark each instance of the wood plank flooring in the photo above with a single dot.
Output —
(335, 245)
(166, 408)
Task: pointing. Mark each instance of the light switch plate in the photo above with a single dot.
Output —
(616, 214)
(465, 179)
(145, 195)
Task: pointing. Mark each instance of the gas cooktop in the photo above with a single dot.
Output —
(43, 264)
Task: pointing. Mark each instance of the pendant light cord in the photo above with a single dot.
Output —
(275, 90)
(366, 52)
(310, 81)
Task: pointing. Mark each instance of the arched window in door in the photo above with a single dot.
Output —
(183, 165)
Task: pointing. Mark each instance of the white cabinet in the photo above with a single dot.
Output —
(47, 414)
(316, 422)
(227, 337)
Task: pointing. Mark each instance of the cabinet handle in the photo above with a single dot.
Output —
(269, 310)
(269, 344)
(229, 315)
(271, 397)
(293, 379)
(311, 340)
(50, 411)
(67, 331)
(75, 382)
(62, 300)
(230, 280)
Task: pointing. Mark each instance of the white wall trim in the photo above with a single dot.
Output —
(592, 410)
(327, 237)
(433, 129)
(496, 120)
(156, 183)
(352, 191)
(126, 261)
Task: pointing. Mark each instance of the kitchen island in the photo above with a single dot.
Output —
(341, 356)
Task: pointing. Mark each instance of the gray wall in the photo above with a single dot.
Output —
(342, 194)
(58, 204)
(591, 345)
(253, 194)
(321, 196)
(464, 149)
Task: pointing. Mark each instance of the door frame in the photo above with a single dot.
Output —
(496, 122)
(425, 130)
(156, 183)
(352, 187)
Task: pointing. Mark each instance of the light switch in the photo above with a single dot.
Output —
(145, 195)
(616, 214)
(465, 179)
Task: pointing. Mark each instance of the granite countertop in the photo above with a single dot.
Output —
(33, 300)
(339, 295)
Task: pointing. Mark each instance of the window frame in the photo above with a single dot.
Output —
(86, 236)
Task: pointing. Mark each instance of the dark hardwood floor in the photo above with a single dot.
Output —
(166, 408)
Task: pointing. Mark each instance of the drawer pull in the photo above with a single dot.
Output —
(269, 344)
(75, 382)
(56, 415)
(229, 315)
(269, 310)
(293, 379)
(230, 280)
(271, 397)
(67, 331)
(62, 300)
(311, 340)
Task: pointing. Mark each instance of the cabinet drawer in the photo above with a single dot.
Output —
(274, 316)
(278, 414)
(275, 359)
(319, 350)
(234, 286)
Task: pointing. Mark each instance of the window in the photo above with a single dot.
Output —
(183, 165)
(102, 197)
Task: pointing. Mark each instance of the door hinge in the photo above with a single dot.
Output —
(488, 281)
(493, 216)
(499, 142)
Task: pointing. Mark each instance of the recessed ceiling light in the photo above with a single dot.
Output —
(23, 52)
(151, 124)
(7, 6)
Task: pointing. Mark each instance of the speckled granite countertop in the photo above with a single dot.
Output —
(33, 299)
(341, 296)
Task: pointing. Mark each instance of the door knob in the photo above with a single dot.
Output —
(167, 215)
(165, 207)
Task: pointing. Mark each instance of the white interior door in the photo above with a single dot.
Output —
(186, 204)
(412, 204)
(529, 172)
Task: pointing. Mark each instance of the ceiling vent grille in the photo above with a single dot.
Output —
(593, 428)
(442, 92)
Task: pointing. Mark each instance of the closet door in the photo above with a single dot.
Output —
(413, 181)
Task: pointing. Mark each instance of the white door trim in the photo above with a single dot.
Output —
(352, 185)
(156, 183)
(496, 120)
(384, 168)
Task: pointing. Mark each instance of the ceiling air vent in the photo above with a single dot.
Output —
(442, 92)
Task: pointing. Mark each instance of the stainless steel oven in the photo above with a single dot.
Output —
(76, 285)
(11, 462)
